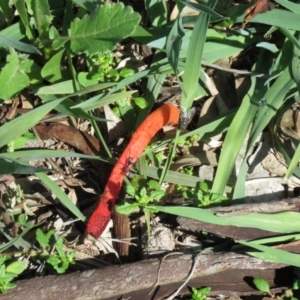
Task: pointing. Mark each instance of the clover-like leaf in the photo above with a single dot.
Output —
(103, 29)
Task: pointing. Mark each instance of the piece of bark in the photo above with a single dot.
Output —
(121, 229)
(226, 273)
(269, 207)
(80, 140)
(241, 233)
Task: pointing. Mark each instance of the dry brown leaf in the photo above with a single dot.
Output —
(261, 6)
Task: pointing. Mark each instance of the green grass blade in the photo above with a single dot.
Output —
(220, 125)
(15, 167)
(28, 155)
(290, 5)
(293, 164)
(99, 101)
(6, 10)
(275, 98)
(67, 87)
(291, 37)
(295, 63)
(286, 222)
(173, 177)
(192, 69)
(19, 45)
(169, 159)
(17, 242)
(240, 125)
(173, 44)
(154, 85)
(20, 125)
(24, 16)
(156, 12)
(272, 254)
(295, 68)
(275, 17)
(281, 64)
(13, 32)
(63, 198)
(201, 8)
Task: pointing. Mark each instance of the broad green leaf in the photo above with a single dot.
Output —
(41, 238)
(154, 185)
(84, 81)
(223, 47)
(268, 46)
(19, 45)
(16, 267)
(13, 74)
(126, 207)
(42, 16)
(64, 199)
(52, 70)
(103, 28)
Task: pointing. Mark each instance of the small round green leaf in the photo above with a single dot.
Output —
(262, 285)
(126, 72)
(140, 102)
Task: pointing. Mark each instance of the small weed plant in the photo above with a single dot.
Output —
(59, 259)
(200, 294)
(9, 271)
(263, 286)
